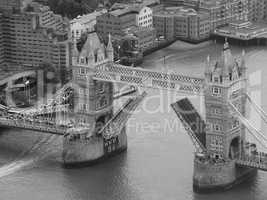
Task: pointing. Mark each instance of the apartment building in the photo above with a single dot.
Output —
(183, 23)
(221, 12)
(257, 10)
(144, 37)
(11, 5)
(26, 40)
(114, 22)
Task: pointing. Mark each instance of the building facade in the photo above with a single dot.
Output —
(11, 5)
(84, 24)
(145, 37)
(183, 23)
(144, 17)
(257, 10)
(26, 40)
(221, 12)
(114, 22)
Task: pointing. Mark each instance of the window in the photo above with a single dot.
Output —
(218, 111)
(100, 87)
(217, 127)
(102, 102)
(82, 71)
(235, 124)
(216, 91)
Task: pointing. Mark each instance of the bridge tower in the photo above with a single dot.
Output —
(226, 81)
(93, 105)
(93, 100)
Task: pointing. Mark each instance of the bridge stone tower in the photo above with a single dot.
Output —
(225, 81)
(226, 85)
(93, 106)
(93, 100)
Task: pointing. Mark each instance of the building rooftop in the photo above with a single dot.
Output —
(242, 30)
(87, 18)
(125, 11)
(179, 11)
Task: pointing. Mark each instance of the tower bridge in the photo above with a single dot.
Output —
(92, 130)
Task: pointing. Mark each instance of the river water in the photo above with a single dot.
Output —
(159, 161)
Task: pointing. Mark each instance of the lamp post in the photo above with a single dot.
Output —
(27, 93)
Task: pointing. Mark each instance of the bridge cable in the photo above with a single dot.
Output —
(259, 110)
(249, 126)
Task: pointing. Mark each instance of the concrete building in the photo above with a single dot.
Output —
(145, 37)
(243, 31)
(114, 22)
(257, 10)
(221, 12)
(47, 18)
(183, 23)
(27, 40)
(144, 17)
(11, 5)
(84, 24)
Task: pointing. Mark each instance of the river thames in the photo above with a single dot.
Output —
(159, 161)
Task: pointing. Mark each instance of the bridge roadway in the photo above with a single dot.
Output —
(46, 126)
(256, 160)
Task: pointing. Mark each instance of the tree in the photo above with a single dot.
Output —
(67, 8)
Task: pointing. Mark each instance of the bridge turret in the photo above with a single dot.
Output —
(75, 53)
(109, 49)
(243, 68)
(224, 82)
(208, 70)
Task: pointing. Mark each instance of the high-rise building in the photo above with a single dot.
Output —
(33, 37)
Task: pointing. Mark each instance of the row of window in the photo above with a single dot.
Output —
(213, 127)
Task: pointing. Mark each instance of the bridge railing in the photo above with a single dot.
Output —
(255, 160)
(33, 125)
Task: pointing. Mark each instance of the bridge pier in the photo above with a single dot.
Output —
(81, 148)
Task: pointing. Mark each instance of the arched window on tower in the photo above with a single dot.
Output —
(100, 87)
(102, 102)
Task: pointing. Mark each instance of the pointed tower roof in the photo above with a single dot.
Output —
(227, 62)
(75, 52)
(109, 46)
(92, 44)
(208, 68)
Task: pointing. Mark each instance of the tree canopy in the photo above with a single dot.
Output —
(67, 8)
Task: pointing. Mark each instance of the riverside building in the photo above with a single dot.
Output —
(33, 36)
